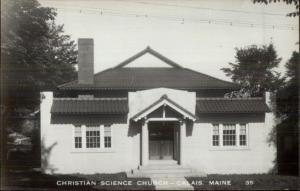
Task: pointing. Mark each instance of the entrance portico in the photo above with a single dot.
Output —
(163, 131)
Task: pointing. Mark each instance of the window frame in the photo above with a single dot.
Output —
(237, 146)
(83, 148)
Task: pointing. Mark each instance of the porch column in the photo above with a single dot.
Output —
(182, 138)
(145, 144)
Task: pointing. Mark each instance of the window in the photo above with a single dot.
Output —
(78, 137)
(107, 136)
(93, 137)
(215, 135)
(243, 133)
(229, 135)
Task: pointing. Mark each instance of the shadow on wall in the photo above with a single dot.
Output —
(134, 128)
(272, 141)
(45, 155)
(231, 118)
(88, 119)
(189, 128)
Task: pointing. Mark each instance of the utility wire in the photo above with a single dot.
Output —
(205, 8)
(181, 20)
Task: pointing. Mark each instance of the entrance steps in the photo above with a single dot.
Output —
(164, 169)
(167, 175)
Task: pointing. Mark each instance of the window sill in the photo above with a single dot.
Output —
(108, 150)
(228, 148)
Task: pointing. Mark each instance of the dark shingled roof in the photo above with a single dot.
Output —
(89, 106)
(144, 78)
(120, 105)
(176, 77)
(234, 105)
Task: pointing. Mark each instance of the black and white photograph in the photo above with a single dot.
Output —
(150, 95)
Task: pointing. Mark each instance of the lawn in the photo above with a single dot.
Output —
(245, 182)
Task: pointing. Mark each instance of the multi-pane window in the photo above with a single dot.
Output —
(216, 135)
(229, 135)
(78, 137)
(243, 134)
(107, 136)
(92, 137)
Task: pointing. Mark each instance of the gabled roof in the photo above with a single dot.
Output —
(152, 52)
(164, 100)
(231, 105)
(177, 77)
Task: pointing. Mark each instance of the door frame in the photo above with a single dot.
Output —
(175, 130)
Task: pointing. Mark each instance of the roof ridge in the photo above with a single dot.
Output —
(154, 53)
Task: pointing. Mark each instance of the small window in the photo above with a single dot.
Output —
(107, 136)
(216, 136)
(78, 137)
(93, 137)
(243, 133)
(229, 135)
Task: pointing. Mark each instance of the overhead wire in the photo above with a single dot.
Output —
(181, 20)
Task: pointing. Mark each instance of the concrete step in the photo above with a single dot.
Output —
(164, 175)
(167, 171)
(174, 166)
(162, 162)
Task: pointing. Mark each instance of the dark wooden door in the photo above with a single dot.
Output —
(161, 142)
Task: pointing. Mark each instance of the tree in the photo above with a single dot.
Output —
(253, 70)
(288, 2)
(287, 110)
(36, 55)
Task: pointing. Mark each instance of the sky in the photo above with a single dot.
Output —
(198, 34)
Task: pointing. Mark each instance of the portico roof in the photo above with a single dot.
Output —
(164, 100)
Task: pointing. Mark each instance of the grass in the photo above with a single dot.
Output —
(246, 182)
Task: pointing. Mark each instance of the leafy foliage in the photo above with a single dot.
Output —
(253, 70)
(287, 97)
(35, 54)
(288, 2)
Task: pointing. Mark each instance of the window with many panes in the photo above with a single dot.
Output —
(243, 134)
(78, 137)
(229, 134)
(92, 137)
(107, 136)
(215, 135)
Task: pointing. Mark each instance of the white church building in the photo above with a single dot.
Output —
(135, 114)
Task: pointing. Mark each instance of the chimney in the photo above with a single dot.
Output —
(85, 61)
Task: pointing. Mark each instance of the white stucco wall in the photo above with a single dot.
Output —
(257, 157)
(140, 100)
(62, 158)
(57, 140)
